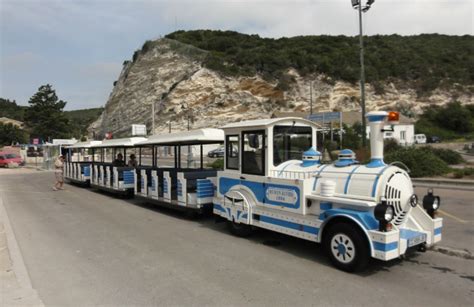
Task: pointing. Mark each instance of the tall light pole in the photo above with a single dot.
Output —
(357, 4)
(311, 97)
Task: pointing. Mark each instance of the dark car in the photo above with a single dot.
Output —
(219, 152)
(434, 139)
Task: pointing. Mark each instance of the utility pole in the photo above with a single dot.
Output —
(357, 4)
(311, 98)
(362, 78)
(153, 117)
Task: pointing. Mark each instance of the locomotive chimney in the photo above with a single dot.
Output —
(376, 123)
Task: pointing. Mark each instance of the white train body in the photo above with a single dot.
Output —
(310, 200)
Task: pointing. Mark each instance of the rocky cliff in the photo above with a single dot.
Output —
(171, 75)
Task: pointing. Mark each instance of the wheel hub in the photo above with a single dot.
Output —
(342, 248)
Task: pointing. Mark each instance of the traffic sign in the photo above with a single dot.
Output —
(325, 116)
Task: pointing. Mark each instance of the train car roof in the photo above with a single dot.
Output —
(87, 144)
(123, 142)
(193, 137)
(264, 123)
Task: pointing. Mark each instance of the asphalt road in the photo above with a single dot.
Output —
(85, 248)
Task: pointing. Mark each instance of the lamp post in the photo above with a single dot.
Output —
(185, 107)
(357, 4)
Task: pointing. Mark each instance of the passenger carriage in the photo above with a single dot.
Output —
(172, 169)
(106, 173)
(77, 168)
(356, 211)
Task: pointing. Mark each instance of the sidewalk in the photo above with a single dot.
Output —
(16, 289)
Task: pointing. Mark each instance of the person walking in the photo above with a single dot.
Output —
(58, 173)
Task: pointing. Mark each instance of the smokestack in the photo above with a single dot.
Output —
(376, 121)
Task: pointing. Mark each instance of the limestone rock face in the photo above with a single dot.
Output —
(171, 76)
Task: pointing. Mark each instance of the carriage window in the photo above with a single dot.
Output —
(232, 151)
(289, 143)
(253, 152)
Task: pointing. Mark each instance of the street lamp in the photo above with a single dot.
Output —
(357, 4)
(189, 113)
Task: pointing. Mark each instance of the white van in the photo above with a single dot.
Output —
(420, 139)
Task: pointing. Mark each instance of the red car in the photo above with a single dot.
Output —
(9, 157)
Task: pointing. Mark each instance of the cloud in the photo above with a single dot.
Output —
(20, 61)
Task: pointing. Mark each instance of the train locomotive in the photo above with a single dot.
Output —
(357, 211)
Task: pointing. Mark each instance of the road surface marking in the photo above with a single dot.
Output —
(452, 216)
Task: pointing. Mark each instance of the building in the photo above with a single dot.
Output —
(403, 132)
(14, 122)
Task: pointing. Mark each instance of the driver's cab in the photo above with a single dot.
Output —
(261, 147)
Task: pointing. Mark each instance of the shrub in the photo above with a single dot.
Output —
(447, 155)
(391, 145)
(217, 164)
(422, 162)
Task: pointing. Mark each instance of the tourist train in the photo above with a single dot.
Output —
(273, 177)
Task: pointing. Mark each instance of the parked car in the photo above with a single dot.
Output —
(434, 139)
(31, 152)
(215, 153)
(7, 158)
(420, 139)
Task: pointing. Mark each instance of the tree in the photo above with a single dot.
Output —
(11, 134)
(45, 117)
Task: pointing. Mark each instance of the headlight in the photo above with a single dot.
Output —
(413, 200)
(431, 203)
(436, 203)
(384, 214)
(388, 214)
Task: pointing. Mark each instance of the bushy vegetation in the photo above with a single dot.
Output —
(45, 118)
(217, 164)
(10, 134)
(422, 162)
(79, 120)
(447, 155)
(463, 172)
(426, 60)
(448, 122)
(9, 108)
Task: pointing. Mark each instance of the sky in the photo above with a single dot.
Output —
(79, 46)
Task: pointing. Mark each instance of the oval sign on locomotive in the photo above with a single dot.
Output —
(281, 195)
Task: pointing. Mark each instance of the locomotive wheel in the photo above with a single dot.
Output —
(347, 247)
(239, 229)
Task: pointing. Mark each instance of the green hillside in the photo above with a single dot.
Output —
(427, 60)
(9, 108)
(79, 120)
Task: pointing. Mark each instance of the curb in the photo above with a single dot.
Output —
(467, 185)
(453, 252)
(18, 264)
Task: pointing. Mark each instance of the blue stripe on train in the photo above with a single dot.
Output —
(291, 225)
(385, 247)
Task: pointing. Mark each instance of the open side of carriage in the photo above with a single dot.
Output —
(77, 168)
(110, 174)
(174, 170)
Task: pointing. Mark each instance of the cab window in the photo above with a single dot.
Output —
(253, 152)
(289, 143)
(232, 151)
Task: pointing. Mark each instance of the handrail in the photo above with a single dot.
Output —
(402, 164)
